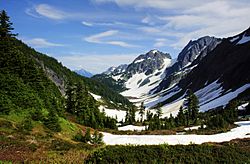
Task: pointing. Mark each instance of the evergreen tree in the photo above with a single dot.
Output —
(81, 100)
(180, 119)
(142, 110)
(130, 116)
(149, 115)
(230, 111)
(193, 106)
(5, 25)
(159, 112)
(70, 98)
(87, 136)
(171, 121)
(97, 138)
(52, 122)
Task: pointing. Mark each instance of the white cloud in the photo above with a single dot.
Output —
(160, 42)
(95, 63)
(41, 43)
(87, 23)
(148, 20)
(157, 4)
(101, 38)
(215, 18)
(47, 11)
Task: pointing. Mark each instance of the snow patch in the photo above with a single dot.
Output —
(135, 90)
(194, 128)
(96, 97)
(209, 92)
(224, 99)
(243, 106)
(139, 61)
(132, 128)
(239, 132)
(114, 113)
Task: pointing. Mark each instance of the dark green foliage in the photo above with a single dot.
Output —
(216, 122)
(180, 119)
(230, 112)
(192, 108)
(142, 110)
(26, 125)
(130, 116)
(84, 106)
(159, 112)
(97, 138)
(5, 25)
(23, 84)
(52, 122)
(222, 118)
(170, 154)
(37, 115)
(87, 136)
(110, 82)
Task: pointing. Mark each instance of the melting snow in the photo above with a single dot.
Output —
(223, 100)
(243, 106)
(209, 92)
(96, 97)
(135, 90)
(239, 132)
(114, 113)
(132, 128)
(138, 61)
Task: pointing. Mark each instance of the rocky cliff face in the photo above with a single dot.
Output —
(188, 58)
(228, 63)
(147, 63)
(142, 75)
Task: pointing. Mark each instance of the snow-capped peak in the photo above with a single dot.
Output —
(154, 51)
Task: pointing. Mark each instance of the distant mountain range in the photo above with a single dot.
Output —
(216, 69)
(84, 73)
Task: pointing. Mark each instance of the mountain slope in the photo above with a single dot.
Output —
(139, 77)
(24, 85)
(222, 75)
(188, 58)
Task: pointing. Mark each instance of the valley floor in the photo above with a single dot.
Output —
(243, 131)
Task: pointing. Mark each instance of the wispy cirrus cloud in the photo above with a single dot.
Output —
(190, 19)
(41, 43)
(103, 38)
(45, 10)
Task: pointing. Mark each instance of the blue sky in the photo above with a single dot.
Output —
(97, 34)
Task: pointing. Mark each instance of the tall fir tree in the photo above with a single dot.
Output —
(192, 106)
(5, 25)
(180, 119)
(159, 112)
(142, 111)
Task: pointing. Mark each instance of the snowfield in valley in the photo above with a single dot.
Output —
(132, 128)
(240, 132)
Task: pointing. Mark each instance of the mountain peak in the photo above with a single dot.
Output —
(154, 51)
(83, 72)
